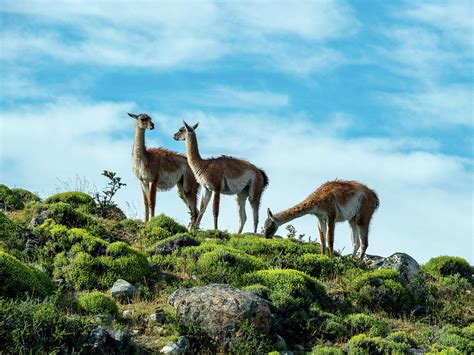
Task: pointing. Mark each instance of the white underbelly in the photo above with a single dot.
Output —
(232, 186)
(164, 181)
(348, 211)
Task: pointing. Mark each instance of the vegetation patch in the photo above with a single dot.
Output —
(10, 236)
(18, 280)
(381, 290)
(12, 199)
(363, 323)
(96, 302)
(76, 199)
(448, 266)
(363, 344)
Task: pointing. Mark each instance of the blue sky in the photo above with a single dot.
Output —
(378, 91)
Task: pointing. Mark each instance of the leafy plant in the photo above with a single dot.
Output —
(104, 201)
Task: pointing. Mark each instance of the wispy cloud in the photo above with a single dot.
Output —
(166, 35)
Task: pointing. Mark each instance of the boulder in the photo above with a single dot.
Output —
(403, 263)
(123, 290)
(220, 310)
(38, 220)
(169, 246)
(103, 340)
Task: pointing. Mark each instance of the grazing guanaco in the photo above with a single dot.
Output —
(226, 175)
(162, 169)
(334, 201)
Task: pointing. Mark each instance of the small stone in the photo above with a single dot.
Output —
(158, 317)
(171, 349)
(299, 347)
(158, 329)
(280, 343)
(183, 344)
(135, 331)
(329, 343)
(123, 290)
(127, 314)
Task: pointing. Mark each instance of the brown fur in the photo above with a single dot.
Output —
(216, 175)
(154, 166)
(325, 203)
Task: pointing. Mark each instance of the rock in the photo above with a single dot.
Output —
(280, 343)
(181, 346)
(123, 290)
(158, 316)
(40, 218)
(403, 263)
(220, 310)
(171, 349)
(127, 314)
(104, 340)
(116, 213)
(174, 244)
(299, 347)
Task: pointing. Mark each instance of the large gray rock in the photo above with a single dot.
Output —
(123, 290)
(403, 263)
(103, 340)
(220, 310)
(175, 244)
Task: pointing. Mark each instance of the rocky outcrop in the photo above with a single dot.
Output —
(403, 263)
(220, 310)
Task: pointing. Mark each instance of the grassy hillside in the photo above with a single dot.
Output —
(59, 259)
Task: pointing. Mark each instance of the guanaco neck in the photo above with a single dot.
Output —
(292, 213)
(192, 150)
(139, 150)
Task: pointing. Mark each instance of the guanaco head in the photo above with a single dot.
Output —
(183, 131)
(143, 121)
(271, 225)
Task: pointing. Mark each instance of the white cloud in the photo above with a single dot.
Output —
(439, 104)
(164, 35)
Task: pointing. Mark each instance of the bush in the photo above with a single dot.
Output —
(65, 214)
(279, 253)
(18, 279)
(164, 222)
(326, 350)
(26, 196)
(76, 199)
(402, 337)
(289, 287)
(316, 265)
(363, 344)
(12, 200)
(96, 302)
(39, 327)
(381, 290)
(451, 336)
(10, 236)
(223, 265)
(362, 323)
(447, 266)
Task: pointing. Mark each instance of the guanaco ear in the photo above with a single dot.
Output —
(133, 115)
(188, 128)
(195, 126)
(269, 214)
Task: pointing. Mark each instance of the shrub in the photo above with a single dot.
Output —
(10, 236)
(65, 214)
(18, 279)
(326, 350)
(402, 337)
(96, 302)
(74, 198)
(447, 266)
(316, 265)
(164, 222)
(204, 235)
(26, 196)
(223, 265)
(362, 323)
(249, 340)
(259, 290)
(363, 344)
(120, 261)
(289, 287)
(451, 336)
(381, 290)
(12, 200)
(279, 253)
(38, 327)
